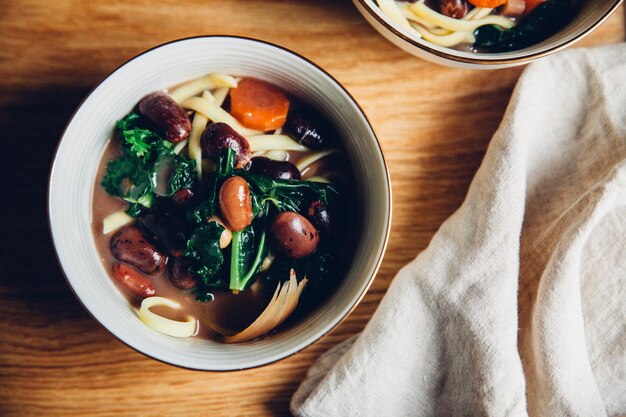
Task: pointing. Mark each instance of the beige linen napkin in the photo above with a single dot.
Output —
(542, 235)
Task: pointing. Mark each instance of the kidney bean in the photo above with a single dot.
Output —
(164, 112)
(319, 216)
(180, 276)
(236, 203)
(310, 128)
(182, 196)
(453, 8)
(294, 235)
(130, 246)
(219, 136)
(283, 170)
(166, 230)
(133, 281)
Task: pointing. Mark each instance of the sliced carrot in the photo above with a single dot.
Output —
(259, 105)
(531, 5)
(492, 4)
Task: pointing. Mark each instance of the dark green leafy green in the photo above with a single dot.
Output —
(137, 140)
(208, 208)
(203, 248)
(246, 257)
(135, 210)
(544, 21)
(286, 195)
(317, 267)
(133, 175)
(183, 176)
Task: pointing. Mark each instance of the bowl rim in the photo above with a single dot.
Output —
(380, 255)
(531, 56)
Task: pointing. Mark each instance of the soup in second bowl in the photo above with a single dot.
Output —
(481, 25)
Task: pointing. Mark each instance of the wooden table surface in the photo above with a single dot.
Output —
(55, 360)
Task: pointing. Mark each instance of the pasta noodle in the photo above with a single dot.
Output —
(195, 150)
(458, 25)
(274, 142)
(391, 9)
(305, 162)
(219, 95)
(208, 82)
(217, 114)
(277, 155)
(114, 221)
(319, 179)
(180, 146)
(164, 325)
(440, 29)
(450, 39)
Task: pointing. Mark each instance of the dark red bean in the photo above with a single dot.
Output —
(283, 170)
(130, 246)
(320, 217)
(219, 136)
(165, 230)
(180, 276)
(453, 8)
(133, 281)
(164, 112)
(182, 196)
(294, 235)
(310, 128)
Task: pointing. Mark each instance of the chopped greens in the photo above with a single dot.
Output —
(133, 176)
(203, 248)
(246, 257)
(544, 21)
(250, 246)
(286, 195)
(210, 206)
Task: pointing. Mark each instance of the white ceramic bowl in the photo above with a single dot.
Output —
(591, 15)
(80, 149)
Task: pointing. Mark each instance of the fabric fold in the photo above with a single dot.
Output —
(539, 246)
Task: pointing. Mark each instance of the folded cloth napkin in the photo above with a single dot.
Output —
(518, 305)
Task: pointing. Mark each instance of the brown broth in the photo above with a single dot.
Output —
(228, 310)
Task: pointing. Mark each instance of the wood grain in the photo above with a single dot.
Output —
(434, 124)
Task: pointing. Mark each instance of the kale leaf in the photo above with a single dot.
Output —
(203, 248)
(544, 21)
(133, 175)
(286, 195)
(183, 176)
(138, 140)
(247, 256)
(317, 268)
(208, 208)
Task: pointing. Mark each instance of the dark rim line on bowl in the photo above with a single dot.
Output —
(518, 60)
(382, 154)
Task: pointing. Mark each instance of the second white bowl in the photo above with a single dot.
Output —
(590, 16)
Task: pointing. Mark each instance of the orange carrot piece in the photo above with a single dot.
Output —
(492, 4)
(259, 105)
